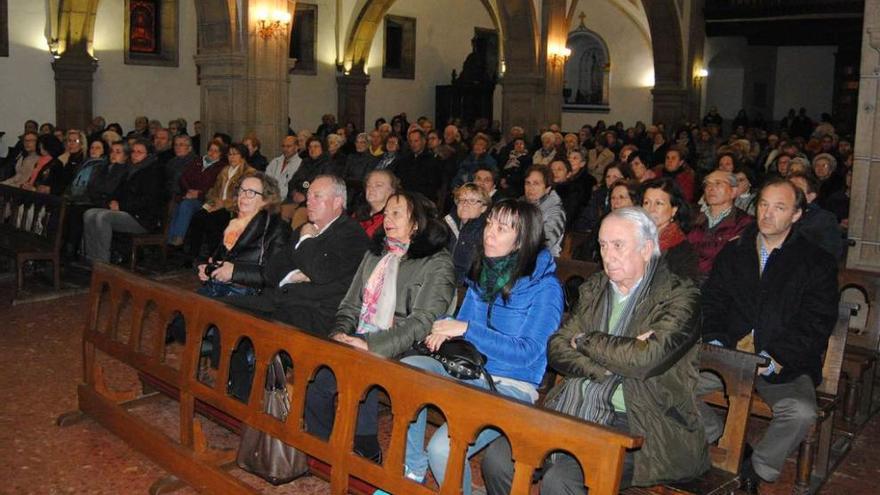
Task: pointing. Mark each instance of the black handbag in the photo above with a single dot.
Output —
(461, 359)
(263, 454)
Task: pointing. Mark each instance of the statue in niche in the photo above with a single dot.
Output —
(587, 70)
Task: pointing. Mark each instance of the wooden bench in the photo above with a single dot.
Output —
(31, 229)
(532, 432)
(737, 372)
(159, 239)
(815, 459)
(861, 357)
(572, 241)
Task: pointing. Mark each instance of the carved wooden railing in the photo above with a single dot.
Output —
(533, 433)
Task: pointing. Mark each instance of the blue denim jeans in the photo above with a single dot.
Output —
(418, 459)
(183, 213)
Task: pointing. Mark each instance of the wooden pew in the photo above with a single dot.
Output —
(737, 371)
(816, 459)
(31, 225)
(571, 241)
(532, 432)
(861, 357)
(159, 238)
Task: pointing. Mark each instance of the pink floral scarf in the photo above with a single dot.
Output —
(380, 292)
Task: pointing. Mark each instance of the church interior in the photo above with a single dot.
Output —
(97, 397)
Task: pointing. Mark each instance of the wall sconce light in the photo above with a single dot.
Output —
(558, 55)
(699, 75)
(274, 25)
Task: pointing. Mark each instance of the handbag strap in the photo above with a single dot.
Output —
(489, 379)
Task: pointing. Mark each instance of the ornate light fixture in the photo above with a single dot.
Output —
(558, 55)
(272, 25)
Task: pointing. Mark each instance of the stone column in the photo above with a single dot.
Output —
(74, 73)
(864, 221)
(522, 102)
(244, 79)
(554, 22)
(671, 105)
(351, 91)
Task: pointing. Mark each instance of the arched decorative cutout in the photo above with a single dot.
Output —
(432, 416)
(321, 396)
(104, 319)
(242, 363)
(209, 356)
(368, 446)
(151, 325)
(124, 319)
(559, 463)
(587, 71)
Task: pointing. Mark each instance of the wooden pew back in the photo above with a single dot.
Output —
(867, 333)
(532, 432)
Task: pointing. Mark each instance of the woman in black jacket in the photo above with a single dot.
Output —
(255, 234)
(136, 207)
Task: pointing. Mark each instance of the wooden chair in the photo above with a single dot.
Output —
(816, 458)
(571, 242)
(861, 357)
(159, 239)
(31, 225)
(737, 371)
(468, 410)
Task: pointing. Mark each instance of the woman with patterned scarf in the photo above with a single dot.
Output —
(663, 201)
(512, 306)
(404, 283)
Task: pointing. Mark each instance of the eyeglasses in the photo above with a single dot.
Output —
(469, 201)
(249, 193)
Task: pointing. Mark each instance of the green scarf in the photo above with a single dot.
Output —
(495, 274)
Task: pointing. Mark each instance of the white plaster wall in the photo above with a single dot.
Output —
(314, 95)
(443, 41)
(632, 65)
(122, 92)
(804, 78)
(26, 76)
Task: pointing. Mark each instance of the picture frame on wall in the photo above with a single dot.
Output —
(151, 32)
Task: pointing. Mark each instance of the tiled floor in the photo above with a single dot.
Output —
(40, 369)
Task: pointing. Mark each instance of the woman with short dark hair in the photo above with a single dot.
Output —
(512, 306)
(539, 191)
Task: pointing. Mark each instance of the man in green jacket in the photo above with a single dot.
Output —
(629, 354)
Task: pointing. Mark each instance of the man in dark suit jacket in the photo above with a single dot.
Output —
(773, 293)
(306, 282)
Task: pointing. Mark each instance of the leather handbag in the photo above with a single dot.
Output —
(263, 454)
(461, 359)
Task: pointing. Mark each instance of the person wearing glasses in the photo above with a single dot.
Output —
(132, 208)
(466, 223)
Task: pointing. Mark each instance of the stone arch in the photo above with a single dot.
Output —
(366, 24)
(219, 25)
(666, 41)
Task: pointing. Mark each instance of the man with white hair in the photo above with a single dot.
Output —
(629, 355)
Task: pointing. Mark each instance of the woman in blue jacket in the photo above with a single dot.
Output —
(513, 305)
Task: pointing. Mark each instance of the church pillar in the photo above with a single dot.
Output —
(74, 72)
(671, 105)
(521, 101)
(864, 221)
(554, 23)
(244, 81)
(351, 90)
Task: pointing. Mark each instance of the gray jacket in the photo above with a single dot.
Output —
(425, 292)
(554, 222)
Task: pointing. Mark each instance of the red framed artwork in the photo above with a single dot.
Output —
(144, 20)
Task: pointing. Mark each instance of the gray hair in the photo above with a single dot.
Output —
(548, 135)
(335, 138)
(184, 137)
(730, 176)
(645, 227)
(832, 162)
(339, 189)
(364, 136)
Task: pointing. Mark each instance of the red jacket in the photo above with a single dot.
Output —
(709, 242)
(684, 178)
(194, 177)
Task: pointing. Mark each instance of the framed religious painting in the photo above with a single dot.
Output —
(151, 32)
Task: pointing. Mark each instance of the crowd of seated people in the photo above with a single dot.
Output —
(363, 238)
